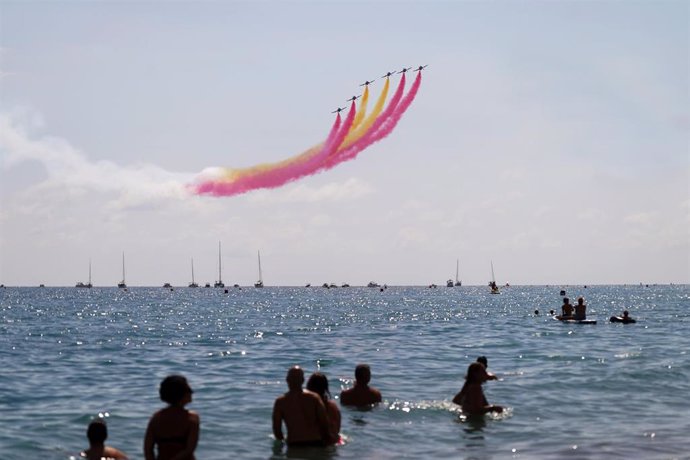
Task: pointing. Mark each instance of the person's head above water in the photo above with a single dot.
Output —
(484, 361)
(566, 300)
(476, 373)
(318, 383)
(97, 432)
(362, 374)
(295, 377)
(174, 388)
(625, 313)
(580, 300)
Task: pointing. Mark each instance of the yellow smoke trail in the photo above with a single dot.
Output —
(359, 127)
(355, 134)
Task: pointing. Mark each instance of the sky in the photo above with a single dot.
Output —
(548, 138)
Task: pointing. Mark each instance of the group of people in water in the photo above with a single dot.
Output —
(311, 416)
(578, 312)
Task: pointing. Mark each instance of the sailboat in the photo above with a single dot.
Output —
(219, 283)
(88, 285)
(122, 283)
(457, 271)
(193, 283)
(492, 283)
(260, 283)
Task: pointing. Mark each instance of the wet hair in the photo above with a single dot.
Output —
(173, 388)
(483, 360)
(580, 299)
(625, 313)
(97, 432)
(475, 373)
(362, 373)
(318, 383)
(566, 300)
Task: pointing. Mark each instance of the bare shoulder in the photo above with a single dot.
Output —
(194, 417)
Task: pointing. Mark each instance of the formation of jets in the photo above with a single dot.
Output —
(387, 75)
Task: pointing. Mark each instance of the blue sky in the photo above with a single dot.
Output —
(549, 137)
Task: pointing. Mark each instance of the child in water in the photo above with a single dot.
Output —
(97, 433)
(471, 398)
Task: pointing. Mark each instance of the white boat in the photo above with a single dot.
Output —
(87, 285)
(492, 283)
(219, 283)
(260, 283)
(193, 284)
(122, 283)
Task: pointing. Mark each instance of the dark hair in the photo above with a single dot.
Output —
(482, 359)
(566, 300)
(173, 388)
(362, 373)
(97, 432)
(318, 383)
(475, 371)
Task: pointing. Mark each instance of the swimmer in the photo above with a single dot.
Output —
(567, 309)
(97, 433)
(471, 397)
(361, 394)
(303, 412)
(580, 309)
(485, 362)
(318, 383)
(174, 430)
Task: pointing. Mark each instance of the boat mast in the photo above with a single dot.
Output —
(260, 277)
(89, 272)
(123, 267)
(493, 277)
(220, 279)
(457, 270)
(192, 270)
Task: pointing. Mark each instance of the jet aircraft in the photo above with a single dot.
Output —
(404, 69)
(339, 109)
(388, 74)
(367, 83)
(353, 98)
(419, 69)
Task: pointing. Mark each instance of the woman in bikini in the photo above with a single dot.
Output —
(174, 430)
(318, 383)
(471, 398)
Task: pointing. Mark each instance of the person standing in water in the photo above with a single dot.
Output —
(97, 433)
(303, 412)
(318, 383)
(485, 362)
(361, 394)
(471, 397)
(174, 430)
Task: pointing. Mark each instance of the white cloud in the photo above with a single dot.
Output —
(70, 170)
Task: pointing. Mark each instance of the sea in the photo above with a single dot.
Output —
(570, 391)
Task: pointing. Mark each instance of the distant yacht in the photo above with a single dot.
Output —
(449, 283)
(219, 283)
(87, 285)
(492, 283)
(193, 284)
(122, 283)
(167, 285)
(372, 284)
(260, 283)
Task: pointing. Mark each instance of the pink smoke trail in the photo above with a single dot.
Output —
(287, 172)
(384, 124)
(221, 187)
